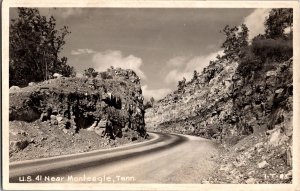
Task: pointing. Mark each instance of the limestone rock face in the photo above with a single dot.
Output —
(226, 106)
(250, 114)
(105, 104)
(203, 108)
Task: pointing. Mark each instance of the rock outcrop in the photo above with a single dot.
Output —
(197, 107)
(111, 105)
(226, 106)
(250, 114)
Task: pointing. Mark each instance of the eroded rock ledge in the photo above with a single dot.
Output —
(109, 105)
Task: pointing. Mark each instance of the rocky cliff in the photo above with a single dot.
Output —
(222, 104)
(108, 108)
(251, 112)
(194, 108)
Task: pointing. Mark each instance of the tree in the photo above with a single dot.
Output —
(90, 72)
(236, 39)
(243, 36)
(152, 100)
(34, 47)
(195, 75)
(278, 21)
(150, 103)
(181, 84)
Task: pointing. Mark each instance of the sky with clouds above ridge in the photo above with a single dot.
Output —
(161, 45)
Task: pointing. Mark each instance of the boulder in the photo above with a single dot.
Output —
(262, 164)
(93, 126)
(57, 75)
(277, 138)
(100, 131)
(14, 88)
(102, 123)
(271, 73)
(79, 75)
(53, 120)
(65, 131)
(31, 84)
(59, 119)
(19, 145)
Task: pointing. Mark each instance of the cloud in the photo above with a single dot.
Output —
(175, 75)
(82, 51)
(255, 22)
(115, 58)
(177, 61)
(70, 12)
(184, 67)
(157, 94)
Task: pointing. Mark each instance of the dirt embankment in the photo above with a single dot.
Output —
(71, 115)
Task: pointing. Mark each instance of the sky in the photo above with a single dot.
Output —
(162, 45)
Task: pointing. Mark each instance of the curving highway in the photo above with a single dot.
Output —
(166, 158)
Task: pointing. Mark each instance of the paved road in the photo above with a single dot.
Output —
(166, 158)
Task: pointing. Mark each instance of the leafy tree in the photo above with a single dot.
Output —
(34, 47)
(243, 36)
(152, 100)
(195, 75)
(236, 39)
(273, 47)
(90, 72)
(148, 105)
(278, 21)
(181, 84)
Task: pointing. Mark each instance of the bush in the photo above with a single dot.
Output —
(148, 105)
(90, 72)
(105, 75)
(272, 50)
(263, 53)
(248, 62)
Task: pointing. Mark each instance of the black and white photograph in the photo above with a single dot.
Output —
(104, 96)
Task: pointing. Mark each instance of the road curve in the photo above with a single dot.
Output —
(166, 158)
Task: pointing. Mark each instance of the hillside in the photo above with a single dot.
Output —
(251, 116)
(243, 100)
(70, 115)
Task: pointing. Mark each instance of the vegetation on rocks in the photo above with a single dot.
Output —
(245, 96)
(243, 100)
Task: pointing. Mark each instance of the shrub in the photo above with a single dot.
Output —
(105, 75)
(148, 105)
(248, 62)
(263, 53)
(90, 72)
(272, 50)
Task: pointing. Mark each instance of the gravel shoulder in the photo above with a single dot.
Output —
(40, 140)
